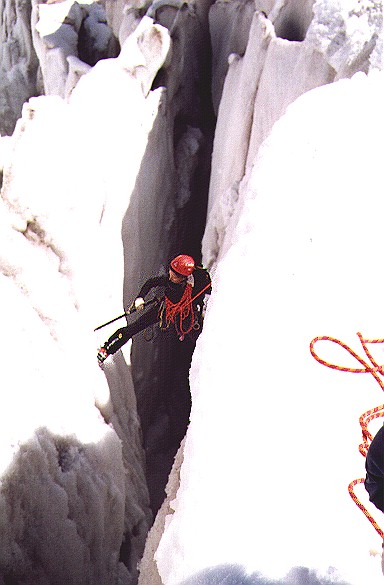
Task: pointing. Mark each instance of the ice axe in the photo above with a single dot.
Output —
(130, 310)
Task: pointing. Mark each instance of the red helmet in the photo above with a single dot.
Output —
(183, 265)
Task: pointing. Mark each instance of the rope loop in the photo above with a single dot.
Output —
(363, 508)
(376, 370)
(183, 309)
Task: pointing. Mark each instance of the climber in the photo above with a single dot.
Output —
(374, 480)
(374, 465)
(179, 304)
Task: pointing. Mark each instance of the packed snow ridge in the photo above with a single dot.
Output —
(248, 134)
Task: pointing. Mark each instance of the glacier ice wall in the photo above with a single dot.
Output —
(64, 196)
(89, 183)
(300, 261)
(262, 86)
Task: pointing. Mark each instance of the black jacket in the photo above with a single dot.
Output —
(374, 465)
(174, 291)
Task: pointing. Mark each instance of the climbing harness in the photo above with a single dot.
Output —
(378, 411)
(150, 332)
(183, 310)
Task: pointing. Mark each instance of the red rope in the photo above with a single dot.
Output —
(378, 411)
(363, 508)
(184, 309)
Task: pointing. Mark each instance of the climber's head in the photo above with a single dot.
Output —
(181, 267)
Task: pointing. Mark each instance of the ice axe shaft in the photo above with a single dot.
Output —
(111, 321)
(130, 310)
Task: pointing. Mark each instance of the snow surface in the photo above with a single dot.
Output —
(273, 439)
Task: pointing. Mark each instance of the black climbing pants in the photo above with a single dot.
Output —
(144, 319)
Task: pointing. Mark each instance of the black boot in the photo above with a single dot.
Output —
(113, 344)
(102, 355)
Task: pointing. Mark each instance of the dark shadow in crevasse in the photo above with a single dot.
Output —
(293, 21)
(170, 198)
(89, 50)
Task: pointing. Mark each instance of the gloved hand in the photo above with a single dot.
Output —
(139, 303)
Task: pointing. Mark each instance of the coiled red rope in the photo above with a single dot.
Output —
(376, 370)
(183, 309)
